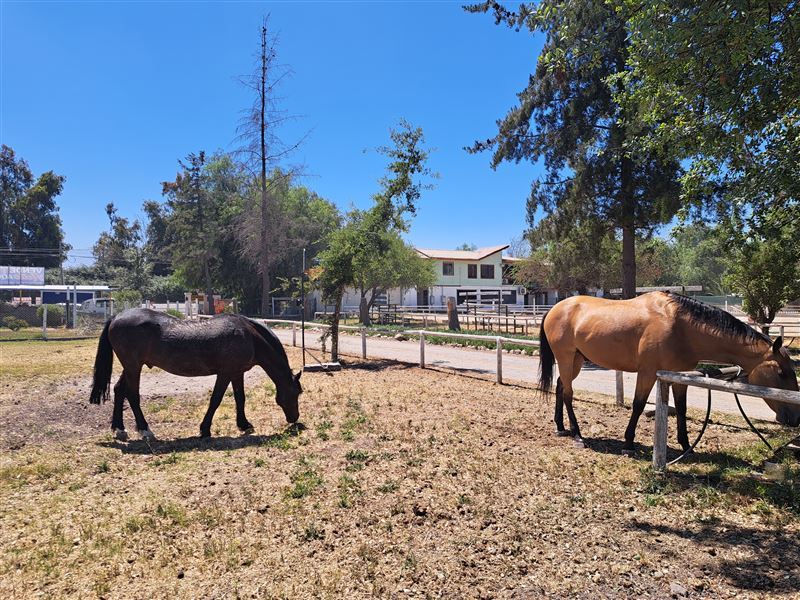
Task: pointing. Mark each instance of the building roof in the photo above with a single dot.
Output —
(55, 288)
(478, 254)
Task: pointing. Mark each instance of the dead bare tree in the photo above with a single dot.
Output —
(261, 144)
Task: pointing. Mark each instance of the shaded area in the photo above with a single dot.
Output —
(201, 444)
(769, 558)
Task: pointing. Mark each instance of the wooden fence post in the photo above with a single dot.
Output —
(781, 327)
(499, 360)
(422, 350)
(294, 335)
(44, 321)
(660, 435)
(364, 342)
(620, 389)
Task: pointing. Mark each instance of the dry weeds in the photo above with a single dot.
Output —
(404, 482)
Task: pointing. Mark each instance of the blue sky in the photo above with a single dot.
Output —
(112, 94)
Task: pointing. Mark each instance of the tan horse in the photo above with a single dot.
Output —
(656, 331)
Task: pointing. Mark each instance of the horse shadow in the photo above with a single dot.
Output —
(763, 557)
(202, 444)
(720, 460)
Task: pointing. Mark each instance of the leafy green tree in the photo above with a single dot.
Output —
(467, 247)
(699, 256)
(567, 117)
(764, 260)
(194, 220)
(30, 228)
(720, 84)
(123, 235)
(366, 236)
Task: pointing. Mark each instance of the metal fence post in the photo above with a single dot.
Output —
(620, 389)
(499, 360)
(44, 321)
(660, 435)
(364, 342)
(422, 350)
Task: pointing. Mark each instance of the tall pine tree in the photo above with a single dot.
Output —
(567, 117)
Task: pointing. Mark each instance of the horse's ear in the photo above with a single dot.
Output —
(776, 345)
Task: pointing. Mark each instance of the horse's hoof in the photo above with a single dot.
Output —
(629, 452)
(579, 443)
(248, 430)
(121, 435)
(563, 433)
(147, 435)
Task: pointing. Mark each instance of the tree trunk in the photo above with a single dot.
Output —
(628, 205)
(266, 307)
(337, 311)
(452, 315)
(209, 289)
(363, 311)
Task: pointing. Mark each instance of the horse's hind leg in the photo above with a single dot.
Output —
(238, 393)
(679, 393)
(644, 385)
(132, 377)
(558, 417)
(216, 397)
(117, 424)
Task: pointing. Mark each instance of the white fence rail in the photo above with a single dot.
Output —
(665, 378)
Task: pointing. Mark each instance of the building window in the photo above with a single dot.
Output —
(487, 271)
(472, 271)
(448, 269)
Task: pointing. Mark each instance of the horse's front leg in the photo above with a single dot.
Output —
(117, 424)
(679, 393)
(216, 397)
(238, 393)
(644, 385)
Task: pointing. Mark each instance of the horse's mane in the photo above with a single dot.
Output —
(716, 319)
(273, 342)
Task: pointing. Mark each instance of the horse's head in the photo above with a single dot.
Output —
(776, 370)
(287, 397)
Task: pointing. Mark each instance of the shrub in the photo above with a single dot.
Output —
(132, 297)
(55, 314)
(175, 313)
(13, 323)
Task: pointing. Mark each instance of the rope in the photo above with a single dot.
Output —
(756, 431)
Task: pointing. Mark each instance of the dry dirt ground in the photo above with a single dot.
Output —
(403, 483)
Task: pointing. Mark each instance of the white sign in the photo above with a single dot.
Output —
(21, 275)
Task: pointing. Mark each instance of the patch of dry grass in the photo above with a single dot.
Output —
(404, 482)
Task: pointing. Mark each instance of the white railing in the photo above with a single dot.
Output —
(665, 378)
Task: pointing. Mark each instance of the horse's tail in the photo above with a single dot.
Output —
(546, 361)
(102, 368)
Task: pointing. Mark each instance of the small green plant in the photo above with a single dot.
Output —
(388, 486)
(349, 489)
(355, 419)
(103, 467)
(304, 481)
(280, 441)
(175, 313)
(357, 459)
(259, 462)
(322, 430)
(312, 532)
(171, 459)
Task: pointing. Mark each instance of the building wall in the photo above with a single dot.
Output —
(459, 277)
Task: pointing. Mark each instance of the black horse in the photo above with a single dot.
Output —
(225, 346)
